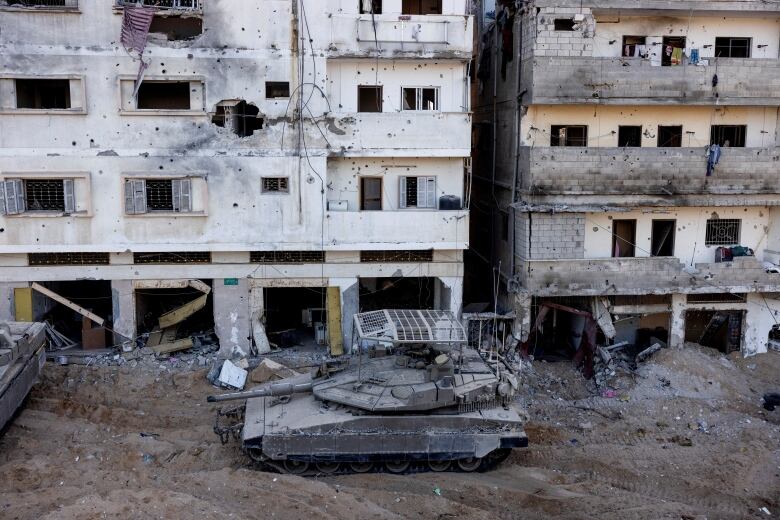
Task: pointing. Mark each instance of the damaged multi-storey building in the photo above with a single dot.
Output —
(626, 161)
(262, 167)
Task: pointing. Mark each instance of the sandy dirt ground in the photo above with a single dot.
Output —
(685, 438)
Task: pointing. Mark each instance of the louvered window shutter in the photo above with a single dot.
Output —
(13, 196)
(70, 195)
(402, 192)
(135, 196)
(182, 198)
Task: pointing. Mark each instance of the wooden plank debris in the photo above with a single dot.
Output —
(175, 346)
(67, 303)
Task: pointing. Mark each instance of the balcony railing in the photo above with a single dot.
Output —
(170, 5)
(41, 4)
(403, 31)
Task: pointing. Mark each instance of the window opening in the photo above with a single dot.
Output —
(420, 98)
(240, 118)
(728, 135)
(370, 193)
(276, 185)
(67, 258)
(176, 28)
(630, 136)
(634, 46)
(670, 136)
(43, 94)
(569, 135)
(727, 47)
(417, 192)
(369, 98)
(421, 7)
(366, 6)
(723, 232)
(182, 257)
(662, 237)
(164, 95)
(425, 255)
(277, 89)
(564, 24)
(673, 50)
(287, 257)
(623, 238)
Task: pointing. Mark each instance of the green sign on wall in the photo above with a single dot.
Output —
(231, 281)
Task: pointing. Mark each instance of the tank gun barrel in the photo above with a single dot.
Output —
(272, 390)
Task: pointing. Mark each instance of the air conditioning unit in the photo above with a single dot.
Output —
(338, 205)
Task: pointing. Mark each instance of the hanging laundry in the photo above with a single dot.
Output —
(713, 157)
(668, 50)
(135, 27)
(694, 60)
(641, 50)
(677, 56)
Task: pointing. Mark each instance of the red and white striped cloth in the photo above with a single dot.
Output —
(135, 27)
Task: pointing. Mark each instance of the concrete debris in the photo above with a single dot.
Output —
(269, 370)
(642, 356)
(232, 376)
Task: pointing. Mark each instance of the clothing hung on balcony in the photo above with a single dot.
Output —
(713, 157)
(694, 56)
(135, 29)
(677, 56)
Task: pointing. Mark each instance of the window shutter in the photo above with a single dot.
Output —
(14, 196)
(182, 199)
(2, 199)
(426, 192)
(70, 195)
(135, 196)
(431, 182)
(402, 192)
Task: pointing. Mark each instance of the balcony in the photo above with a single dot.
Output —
(398, 36)
(647, 171)
(644, 276)
(164, 5)
(44, 5)
(634, 7)
(409, 229)
(401, 134)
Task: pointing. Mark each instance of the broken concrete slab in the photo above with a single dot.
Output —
(269, 370)
(642, 356)
(232, 375)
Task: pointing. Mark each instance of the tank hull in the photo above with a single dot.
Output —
(18, 376)
(305, 430)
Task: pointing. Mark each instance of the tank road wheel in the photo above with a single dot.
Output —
(328, 468)
(361, 467)
(469, 464)
(498, 456)
(397, 466)
(295, 467)
(256, 454)
(439, 465)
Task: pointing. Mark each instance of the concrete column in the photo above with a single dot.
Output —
(7, 311)
(677, 326)
(451, 296)
(762, 314)
(350, 305)
(521, 327)
(123, 310)
(232, 317)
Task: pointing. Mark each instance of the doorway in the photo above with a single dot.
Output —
(673, 51)
(623, 238)
(370, 193)
(397, 293)
(662, 237)
(721, 330)
(296, 316)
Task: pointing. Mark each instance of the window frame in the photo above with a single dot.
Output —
(419, 96)
(126, 85)
(78, 200)
(198, 194)
(710, 242)
(381, 107)
(731, 46)
(282, 178)
(731, 145)
(658, 142)
(566, 139)
(8, 97)
(620, 127)
(632, 45)
(362, 192)
(430, 194)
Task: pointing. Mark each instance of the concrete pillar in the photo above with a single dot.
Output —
(123, 310)
(350, 304)
(7, 312)
(521, 327)
(451, 296)
(763, 312)
(677, 326)
(232, 316)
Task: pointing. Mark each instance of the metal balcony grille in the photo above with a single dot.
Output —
(67, 259)
(175, 5)
(723, 232)
(45, 195)
(287, 257)
(396, 256)
(191, 257)
(717, 298)
(41, 4)
(410, 326)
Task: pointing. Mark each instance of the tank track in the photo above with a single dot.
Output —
(327, 469)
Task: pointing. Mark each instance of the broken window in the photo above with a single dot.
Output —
(43, 94)
(150, 195)
(277, 89)
(623, 238)
(369, 6)
(673, 50)
(276, 185)
(564, 24)
(662, 237)
(670, 136)
(726, 47)
(238, 117)
(18, 196)
(569, 135)
(420, 98)
(723, 232)
(417, 192)
(176, 28)
(181, 257)
(164, 95)
(287, 257)
(425, 255)
(370, 193)
(728, 135)
(369, 98)
(67, 259)
(421, 7)
(629, 136)
(633, 46)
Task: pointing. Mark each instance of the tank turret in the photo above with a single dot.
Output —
(420, 395)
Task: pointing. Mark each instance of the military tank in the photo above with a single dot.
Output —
(415, 397)
(22, 355)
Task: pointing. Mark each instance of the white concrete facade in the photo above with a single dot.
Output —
(313, 138)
